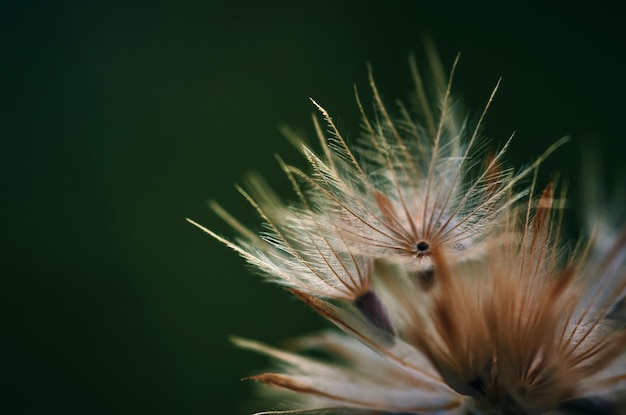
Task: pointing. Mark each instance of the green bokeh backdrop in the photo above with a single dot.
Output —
(119, 120)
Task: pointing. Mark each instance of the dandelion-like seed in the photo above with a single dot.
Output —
(450, 281)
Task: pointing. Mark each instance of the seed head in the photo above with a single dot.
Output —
(451, 281)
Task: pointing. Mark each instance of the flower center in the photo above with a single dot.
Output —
(422, 248)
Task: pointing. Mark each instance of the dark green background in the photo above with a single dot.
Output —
(121, 119)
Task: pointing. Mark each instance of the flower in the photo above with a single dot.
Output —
(453, 294)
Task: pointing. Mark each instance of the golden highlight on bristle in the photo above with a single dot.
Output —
(446, 271)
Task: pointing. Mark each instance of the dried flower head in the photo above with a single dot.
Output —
(451, 282)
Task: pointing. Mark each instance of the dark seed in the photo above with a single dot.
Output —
(481, 381)
(374, 311)
(425, 278)
(422, 247)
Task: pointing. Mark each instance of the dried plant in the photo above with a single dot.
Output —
(453, 286)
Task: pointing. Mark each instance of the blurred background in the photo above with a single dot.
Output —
(120, 120)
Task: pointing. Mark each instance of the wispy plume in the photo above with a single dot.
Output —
(450, 280)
